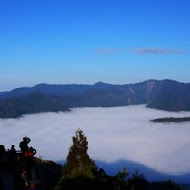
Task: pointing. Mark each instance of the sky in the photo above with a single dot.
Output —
(86, 41)
(123, 133)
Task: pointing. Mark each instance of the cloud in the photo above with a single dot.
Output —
(142, 51)
(156, 51)
(113, 134)
(106, 51)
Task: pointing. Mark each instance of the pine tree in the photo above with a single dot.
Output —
(78, 162)
(79, 170)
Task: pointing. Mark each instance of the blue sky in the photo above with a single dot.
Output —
(86, 41)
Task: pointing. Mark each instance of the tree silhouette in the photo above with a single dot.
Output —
(138, 181)
(79, 169)
(78, 161)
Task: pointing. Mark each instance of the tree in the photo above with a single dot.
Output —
(137, 181)
(78, 161)
(79, 169)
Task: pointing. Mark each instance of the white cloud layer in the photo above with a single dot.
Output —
(113, 134)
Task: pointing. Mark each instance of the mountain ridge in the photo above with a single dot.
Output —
(164, 94)
(40, 86)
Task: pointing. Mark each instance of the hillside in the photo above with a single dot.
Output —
(33, 103)
(170, 95)
(165, 95)
(171, 119)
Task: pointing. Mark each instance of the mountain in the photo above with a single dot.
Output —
(33, 103)
(2, 93)
(165, 95)
(48, 89)
(170, 95)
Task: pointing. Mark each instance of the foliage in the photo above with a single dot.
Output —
(137, 181)
(49, 172)
(78, 161)
(79, 167)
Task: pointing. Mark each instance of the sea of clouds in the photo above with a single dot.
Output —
(113, 134)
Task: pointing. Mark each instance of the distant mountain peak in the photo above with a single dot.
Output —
(170, 81)
(41, 84)
(100, 83)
